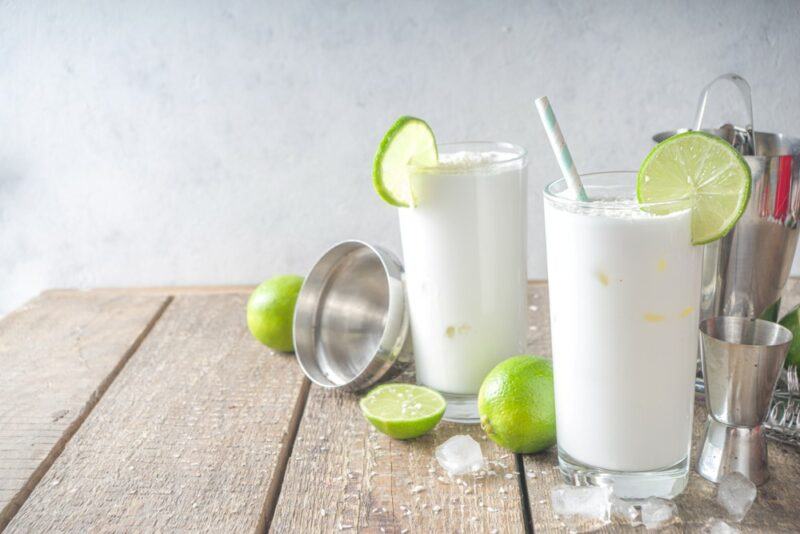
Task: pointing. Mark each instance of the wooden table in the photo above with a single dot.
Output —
(155, 410)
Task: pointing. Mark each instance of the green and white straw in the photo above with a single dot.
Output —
(560, 148)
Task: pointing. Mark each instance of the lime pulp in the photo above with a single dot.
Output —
(403, 411)
(408, 142)
(704, 171)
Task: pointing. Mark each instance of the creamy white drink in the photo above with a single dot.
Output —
(464, 251)
(624, 289)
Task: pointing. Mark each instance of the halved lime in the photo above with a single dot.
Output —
(403, 411)
(409, 141)
(706, 172)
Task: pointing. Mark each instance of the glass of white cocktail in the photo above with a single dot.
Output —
(464, 250)
(624, 287)
(624, 270)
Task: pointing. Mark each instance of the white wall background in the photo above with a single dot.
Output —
(153, 142)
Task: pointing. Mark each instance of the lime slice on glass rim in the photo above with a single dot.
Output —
(403, 411)
(408, 142)
(706, 172)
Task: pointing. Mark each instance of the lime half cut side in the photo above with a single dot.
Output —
(408, 142)
(403, 411)
(704, 171)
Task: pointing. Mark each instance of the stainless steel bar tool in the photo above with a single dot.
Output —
(744, 273)
(741, 359)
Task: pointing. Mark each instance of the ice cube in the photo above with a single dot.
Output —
(589, 502)
(736, 494)
(625, 510)
(460, 455)
(657, 512)
(718, 526)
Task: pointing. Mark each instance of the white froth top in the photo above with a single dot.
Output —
(617, 208)
(466, 159)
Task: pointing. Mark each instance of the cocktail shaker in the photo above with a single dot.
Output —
(744, 273)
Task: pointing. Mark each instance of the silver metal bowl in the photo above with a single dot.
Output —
(351, 326)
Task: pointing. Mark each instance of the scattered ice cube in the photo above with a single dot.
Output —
(736, 494)
(590, 502)
(625, 510)
(718, 526)
(460, 455)
(657, 513)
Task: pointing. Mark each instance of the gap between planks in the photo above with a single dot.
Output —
(274, 490)
(16, 503)
(527, 518)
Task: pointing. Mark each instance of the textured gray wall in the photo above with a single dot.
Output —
(151, 142)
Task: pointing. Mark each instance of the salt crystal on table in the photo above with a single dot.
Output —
(657, 512)
(718, 526)
(460, 455)
(736, 494)
(591, 502)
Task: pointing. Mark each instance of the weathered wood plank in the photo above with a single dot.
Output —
(57, 356)
(158, 290)
(344, 475)
(188, 437)
(777, 508)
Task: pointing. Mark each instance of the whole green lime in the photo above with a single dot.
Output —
(270, 311)
(792, 321)
(517, 404)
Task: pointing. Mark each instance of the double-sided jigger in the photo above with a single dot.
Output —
(742, 359)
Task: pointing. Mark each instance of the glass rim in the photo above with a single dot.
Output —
(556, 198)
(518, 153)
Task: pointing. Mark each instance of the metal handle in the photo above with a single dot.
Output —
(744, 90)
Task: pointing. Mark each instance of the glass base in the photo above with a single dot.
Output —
(665, 483)
(461, 408)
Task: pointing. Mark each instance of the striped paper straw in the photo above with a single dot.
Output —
(560, 148)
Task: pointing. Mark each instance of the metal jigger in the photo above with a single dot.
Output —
(742, 359)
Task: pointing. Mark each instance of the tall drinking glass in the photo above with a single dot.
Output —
(464, 249)
(624, 282)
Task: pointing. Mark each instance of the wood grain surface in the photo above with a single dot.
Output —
(777, 508)
(158, 290)
(188, 437)
(344, 475)
(203, 429)
(58, 354)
